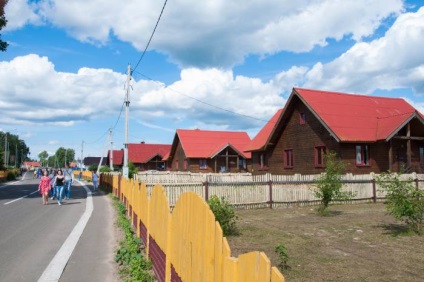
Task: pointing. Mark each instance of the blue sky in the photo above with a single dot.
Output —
(64, 72)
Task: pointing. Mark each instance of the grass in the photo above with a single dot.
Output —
(133, 266)
(358, 242)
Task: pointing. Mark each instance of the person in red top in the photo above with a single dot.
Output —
(44, 187)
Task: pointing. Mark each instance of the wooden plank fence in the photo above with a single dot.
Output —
(248, 191)
(187, 244)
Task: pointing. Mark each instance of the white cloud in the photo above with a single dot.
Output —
(218, 33)
(19, 13)
(390, 62)
(214, 97)
(37, 94)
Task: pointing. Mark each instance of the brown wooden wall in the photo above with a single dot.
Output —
(303, 138)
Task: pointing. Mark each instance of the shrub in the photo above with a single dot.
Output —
(224, 214)
(133, 265)
(403, 200)
(329, 184)
(105, 168)
(282, 253)
(10, 176)
(93, 167)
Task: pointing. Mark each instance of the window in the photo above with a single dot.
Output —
(176, 164)
(203, 164)
(362, 155)
(320, 152)
(263, 161)
(288, 158)
(302, 118)
(422, 156)
(242, 163)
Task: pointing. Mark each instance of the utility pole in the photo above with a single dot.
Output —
(111, 150)
(127, 108)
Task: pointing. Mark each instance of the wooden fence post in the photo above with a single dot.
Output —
(206, 185)
(270, 193)
(119, 187)
(374, 191)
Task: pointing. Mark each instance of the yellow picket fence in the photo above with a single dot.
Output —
(3, 173)
(186, 244)
(87, 175)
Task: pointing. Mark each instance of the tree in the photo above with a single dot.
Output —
(17, 150)
(404, 201)
(51, 161)
(3, 22)
(329, 184)
(64, 156)
(43, 157)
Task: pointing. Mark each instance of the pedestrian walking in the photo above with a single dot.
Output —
(79, 175)
(95, 178)
(52, 178)
(69, 179)
(44, 187)
(59, 182)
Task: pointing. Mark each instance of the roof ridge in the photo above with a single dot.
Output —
(350, 94)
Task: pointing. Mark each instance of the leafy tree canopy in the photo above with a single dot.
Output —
(3, 22)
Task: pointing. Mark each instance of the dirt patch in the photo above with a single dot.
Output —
(355, 243)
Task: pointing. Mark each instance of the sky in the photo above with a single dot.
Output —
(211, 65)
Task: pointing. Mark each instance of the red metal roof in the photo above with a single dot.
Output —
(353, 117)
(261, 138)
(118, 157)
(205, 144)
(143, 153)
(35, 164)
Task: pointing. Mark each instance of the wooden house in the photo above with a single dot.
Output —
(148, 156)
(369, 134)
(116, 157)
(209, 151)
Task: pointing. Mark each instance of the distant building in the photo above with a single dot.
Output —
(118, 158)
(93, 161)
(209, 151)
(30, 165)
(148, 156)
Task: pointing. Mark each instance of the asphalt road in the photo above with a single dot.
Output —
(71, 242)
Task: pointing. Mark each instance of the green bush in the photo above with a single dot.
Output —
(133, 265)
(10, 176)
(224, 214)
(403, 200)
(93, 167)
(329, 185)
(282, 253)
(105, 168)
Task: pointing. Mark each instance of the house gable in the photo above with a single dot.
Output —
(320, 120)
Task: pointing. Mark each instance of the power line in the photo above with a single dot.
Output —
(151, 36)
(206, 103)
(117, 120)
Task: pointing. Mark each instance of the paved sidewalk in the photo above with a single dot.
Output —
(93, 257)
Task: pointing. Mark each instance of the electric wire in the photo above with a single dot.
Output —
(117, 120)
(151, 36)
(206, 103)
